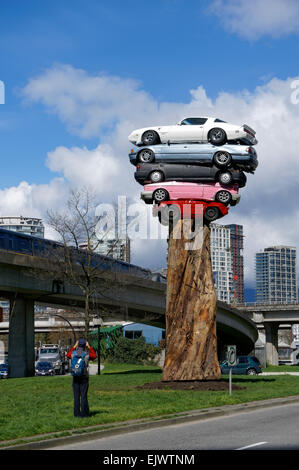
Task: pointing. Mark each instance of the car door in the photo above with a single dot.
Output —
(201, 154)
(198, 173)
(241, 367)
(188, 130)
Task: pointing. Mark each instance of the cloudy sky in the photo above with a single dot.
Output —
(80, 76)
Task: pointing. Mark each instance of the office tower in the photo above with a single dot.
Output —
(221, 258)
(114, 248)
(27, 225)
(276, 274)
(236, 245)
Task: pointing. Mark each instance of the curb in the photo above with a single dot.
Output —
(138, 425)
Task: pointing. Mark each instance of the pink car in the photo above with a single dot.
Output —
(159, 192)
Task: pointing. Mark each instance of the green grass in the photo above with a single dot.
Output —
(283, 368)
(37, 405)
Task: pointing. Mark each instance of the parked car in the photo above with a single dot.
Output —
(239, 156)
(44, 368)
(173, 190)
(156, 172)
(195, 129)
(210, 211)
(249, 365)
(4, 370)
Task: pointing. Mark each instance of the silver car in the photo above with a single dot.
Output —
(240, 156)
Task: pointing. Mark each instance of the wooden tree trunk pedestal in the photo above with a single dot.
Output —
(191, 343)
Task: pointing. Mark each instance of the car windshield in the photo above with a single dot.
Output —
(44, 365)
(193, 121)
(49, 351)
(219, 120)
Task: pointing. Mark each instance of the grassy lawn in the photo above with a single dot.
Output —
(37, 405)
(281, 369)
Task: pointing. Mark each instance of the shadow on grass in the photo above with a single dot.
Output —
(137, 371)
(94, 413)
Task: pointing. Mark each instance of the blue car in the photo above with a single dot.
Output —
(240, 156)
(4, 370)
(44, 368)
(249, 365)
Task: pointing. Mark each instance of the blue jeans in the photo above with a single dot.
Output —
(80, 388)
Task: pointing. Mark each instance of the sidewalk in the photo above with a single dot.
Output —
(279, 373)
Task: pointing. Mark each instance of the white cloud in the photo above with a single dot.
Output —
(252, 19)
(110, 108)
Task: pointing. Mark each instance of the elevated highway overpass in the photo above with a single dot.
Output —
(271, 316)
(24, 281)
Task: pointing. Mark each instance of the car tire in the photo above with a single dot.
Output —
(251, 372)
(160, 195)
(146, 156)
(223, 196)
(150, 138)
(211, 214)
(222, 159)
(225, 178)
(156, 176)
(217, 136)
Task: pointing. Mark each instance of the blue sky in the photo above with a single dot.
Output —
(169, 46)
(221, 48)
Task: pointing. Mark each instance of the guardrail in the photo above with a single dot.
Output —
(259, 304)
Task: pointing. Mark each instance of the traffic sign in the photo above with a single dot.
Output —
(232, 356)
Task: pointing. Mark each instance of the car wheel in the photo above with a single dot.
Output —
(211, 214)
(223, 196)
(150, 138)
(251, 372)
(146, 156)
(217, 136)
(222, 159)
(160, 195)
(225, 178)
(156, 176)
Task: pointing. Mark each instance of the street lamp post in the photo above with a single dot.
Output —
(74, 334)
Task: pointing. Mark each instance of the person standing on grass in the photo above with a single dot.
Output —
(80, 354)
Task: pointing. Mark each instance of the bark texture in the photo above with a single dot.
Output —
(191, 343)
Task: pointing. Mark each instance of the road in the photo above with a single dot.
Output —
(274, 428)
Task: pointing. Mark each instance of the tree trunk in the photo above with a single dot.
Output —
(191, 343)
(86, 313)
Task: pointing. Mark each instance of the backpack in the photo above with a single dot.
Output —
(79, 364)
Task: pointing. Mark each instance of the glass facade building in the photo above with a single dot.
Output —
(117, 249)
(222, 262)
(27, 225)
(276, 274)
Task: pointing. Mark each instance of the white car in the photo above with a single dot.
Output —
(198, 129)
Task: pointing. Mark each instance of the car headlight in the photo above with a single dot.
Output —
(57, 363)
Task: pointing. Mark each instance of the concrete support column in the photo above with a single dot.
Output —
(21, 338)
(271, 330)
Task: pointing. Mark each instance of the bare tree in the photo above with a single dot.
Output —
(76, 259)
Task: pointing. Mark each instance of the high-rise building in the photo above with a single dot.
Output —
(114, 248)
(276, 274)
(221, 258)
(236, 246)
(27, 225)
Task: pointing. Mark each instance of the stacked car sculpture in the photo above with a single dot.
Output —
(199, 162)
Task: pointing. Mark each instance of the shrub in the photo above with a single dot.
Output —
(133, 351)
